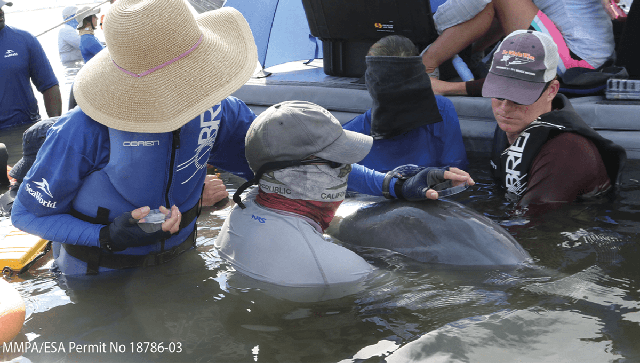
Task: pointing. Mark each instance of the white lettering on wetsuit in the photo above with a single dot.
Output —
(209, 129)
(141, 143)
(514, 158)
(206, 139)
(38, 196)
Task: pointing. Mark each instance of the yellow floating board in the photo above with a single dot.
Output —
(18, 249)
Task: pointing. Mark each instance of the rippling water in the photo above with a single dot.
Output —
(578, 301)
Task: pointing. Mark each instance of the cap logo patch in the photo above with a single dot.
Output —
(518, 57)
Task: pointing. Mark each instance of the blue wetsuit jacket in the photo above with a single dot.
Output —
(433, 145)
(84, 166)
(22, 60)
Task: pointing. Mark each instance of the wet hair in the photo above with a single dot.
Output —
(87, 22)
(393, 46)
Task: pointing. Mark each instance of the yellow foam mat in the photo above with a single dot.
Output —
(17, 248)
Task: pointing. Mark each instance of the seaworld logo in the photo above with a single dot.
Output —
(10, 53)
(44, 186)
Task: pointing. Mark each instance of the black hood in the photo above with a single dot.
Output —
(402, 95)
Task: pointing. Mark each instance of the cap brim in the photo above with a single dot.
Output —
(19, 171)
(351, 147)
(171, 96)
(522, 92)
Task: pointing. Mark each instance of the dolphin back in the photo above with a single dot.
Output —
(440, 231)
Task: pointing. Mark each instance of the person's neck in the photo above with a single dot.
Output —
(86, 30)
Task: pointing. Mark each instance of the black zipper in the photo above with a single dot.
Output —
(175, 146)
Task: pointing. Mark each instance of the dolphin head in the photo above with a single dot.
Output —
(442, 232)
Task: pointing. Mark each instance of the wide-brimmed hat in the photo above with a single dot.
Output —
(162, 66)
(86, 11)
(7, 3)
(295, 130)
(524, 62)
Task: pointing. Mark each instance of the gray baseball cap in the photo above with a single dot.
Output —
(7, 3)
(295, 130)
(525, 61)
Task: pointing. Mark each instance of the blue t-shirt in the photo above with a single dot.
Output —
(89, 46)
(22, 60)
(433, 145)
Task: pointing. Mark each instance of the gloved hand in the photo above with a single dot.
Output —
(124, 231)
(417, 183)
(415, 188)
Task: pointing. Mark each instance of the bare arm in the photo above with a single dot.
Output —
(53, 101)
(448, 88)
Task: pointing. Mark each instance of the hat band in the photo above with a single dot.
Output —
(163, 64)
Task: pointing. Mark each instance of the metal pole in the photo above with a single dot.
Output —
(68, 20)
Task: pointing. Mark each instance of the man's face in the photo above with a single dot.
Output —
(512, 117)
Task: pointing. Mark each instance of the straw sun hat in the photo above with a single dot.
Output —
(162, 67)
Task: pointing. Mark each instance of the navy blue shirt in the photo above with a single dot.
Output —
(22, 60)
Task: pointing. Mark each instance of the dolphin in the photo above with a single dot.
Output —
(434, 231)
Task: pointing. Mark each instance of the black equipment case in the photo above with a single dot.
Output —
(348, 28)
